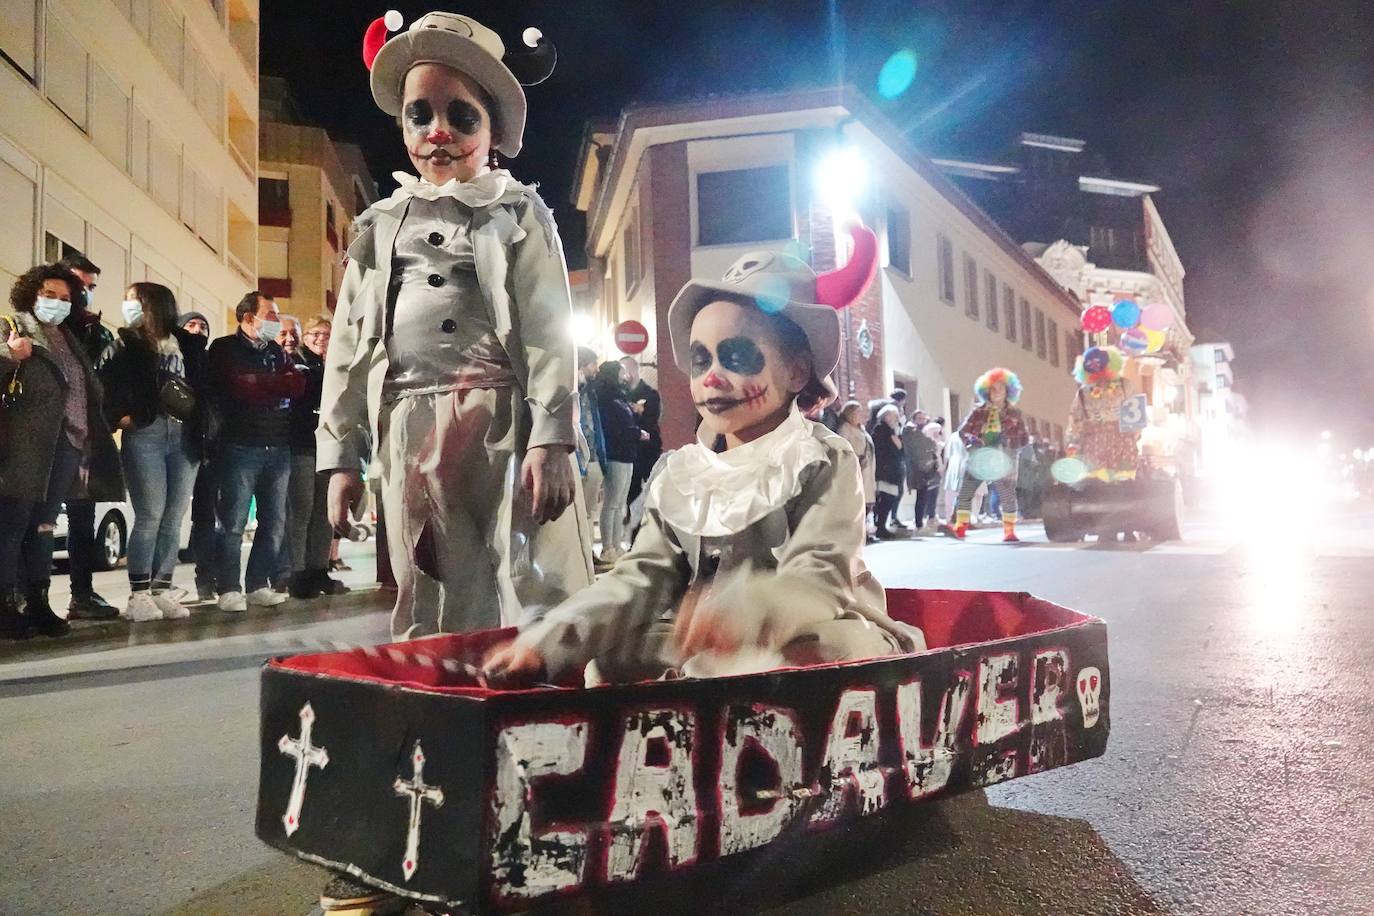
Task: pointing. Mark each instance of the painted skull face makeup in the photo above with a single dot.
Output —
(447, 128)
(741, 382)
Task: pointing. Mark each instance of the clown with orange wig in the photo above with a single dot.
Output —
(993, 432)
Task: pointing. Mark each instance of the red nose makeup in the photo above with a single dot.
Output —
(714, 381)
(440, 138)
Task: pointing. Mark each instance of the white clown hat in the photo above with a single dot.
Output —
(780, 284)
(467, 46)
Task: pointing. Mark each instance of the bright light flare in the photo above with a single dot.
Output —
(989, 464)
(842, 179)
(584, 329)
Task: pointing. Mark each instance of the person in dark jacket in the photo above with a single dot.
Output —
(252, 385)
(206, 492)
(648, 407)
(307, 511)
(96, 341)
(54, 443)
(161, 442)
(622, 437)
(887, 449)
(922, 466)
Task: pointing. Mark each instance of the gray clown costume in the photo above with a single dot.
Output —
(452, 356)
(772, 529)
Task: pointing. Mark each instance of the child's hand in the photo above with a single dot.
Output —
(703, 624)
(513, 665)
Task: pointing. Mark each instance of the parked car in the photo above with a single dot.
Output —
(113, 522)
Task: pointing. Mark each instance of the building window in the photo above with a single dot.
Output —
(1052, 338)
(744, 205)
(944, 253)
(990, 299)
(1073, 348)
(65, 73)
(956, 418)
(899, 239)
(1026, 342)
(970, 287)
(1040, 349)
(274, 202)
(1218, 355)
(1032, 427)
(19, 37)
(1009, 307)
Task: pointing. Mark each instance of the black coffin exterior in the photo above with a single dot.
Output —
(1000, 707)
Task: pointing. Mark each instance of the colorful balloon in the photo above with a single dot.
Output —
(1135, 341)
(1154, 340)
(1125, 314)
(1157, 317)
(1097, 319)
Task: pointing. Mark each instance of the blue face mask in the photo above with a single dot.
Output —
(132, 310)
(51, 311)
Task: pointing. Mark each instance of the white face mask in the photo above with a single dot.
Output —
(268, 330)
(51, 311)
(132, 310)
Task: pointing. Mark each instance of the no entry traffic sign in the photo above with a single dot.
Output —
(631, 337)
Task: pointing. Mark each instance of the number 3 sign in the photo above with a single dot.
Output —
(1133, 417)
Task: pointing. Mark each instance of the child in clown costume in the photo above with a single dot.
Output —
(750, 553)
(993, 432)
(452, 358)
(1094, 435)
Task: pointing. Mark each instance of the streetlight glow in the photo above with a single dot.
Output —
(842, 178)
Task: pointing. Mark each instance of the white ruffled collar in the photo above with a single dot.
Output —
(710, 494)
(490, 187)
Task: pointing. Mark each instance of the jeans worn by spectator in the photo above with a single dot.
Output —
(25, 546)
(204, 539)
(161, 478)
(617, 488)
(307, 516)
(247, 472)
(81, 545)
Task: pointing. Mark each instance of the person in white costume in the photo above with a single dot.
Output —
(751, 552)
(452, 361)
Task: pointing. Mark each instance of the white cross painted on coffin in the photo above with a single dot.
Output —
(307, 756)
(418, 793)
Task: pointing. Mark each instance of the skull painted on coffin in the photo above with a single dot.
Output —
(1089, 694)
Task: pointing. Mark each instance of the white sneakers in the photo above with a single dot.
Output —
(142, 607)
(233, 601)
(265, 597)
(170, 604)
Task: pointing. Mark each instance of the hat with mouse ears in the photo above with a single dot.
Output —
(467, 46)
(780, 284)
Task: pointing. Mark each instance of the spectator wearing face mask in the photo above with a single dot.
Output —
(55, 445)
(205, 493)
(252, 384)
(96, 341)
(154, 363)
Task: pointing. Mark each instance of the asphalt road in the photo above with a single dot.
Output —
(1237, 780)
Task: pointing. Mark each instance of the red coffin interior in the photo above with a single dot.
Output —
(948, 619)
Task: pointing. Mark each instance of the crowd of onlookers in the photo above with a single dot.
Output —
(620, 424)
(180, 423)
(919, 457)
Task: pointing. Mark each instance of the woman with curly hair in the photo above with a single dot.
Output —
(55, 445)
(993, 432)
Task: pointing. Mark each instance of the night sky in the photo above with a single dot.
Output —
(1255, 116)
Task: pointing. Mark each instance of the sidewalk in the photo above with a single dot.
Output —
(361, 616)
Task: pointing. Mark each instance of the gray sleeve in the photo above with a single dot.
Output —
(618, 608)
(341, 439)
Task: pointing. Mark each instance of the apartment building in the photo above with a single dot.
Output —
(129, 133)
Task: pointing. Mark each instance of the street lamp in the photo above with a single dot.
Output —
(841, 179)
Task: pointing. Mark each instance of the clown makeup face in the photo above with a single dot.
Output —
(997, 394)
(446, 124)
(742, 383)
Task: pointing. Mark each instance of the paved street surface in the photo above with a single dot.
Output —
(1237, 779)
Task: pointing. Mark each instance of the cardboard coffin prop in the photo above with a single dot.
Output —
(395, 765)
